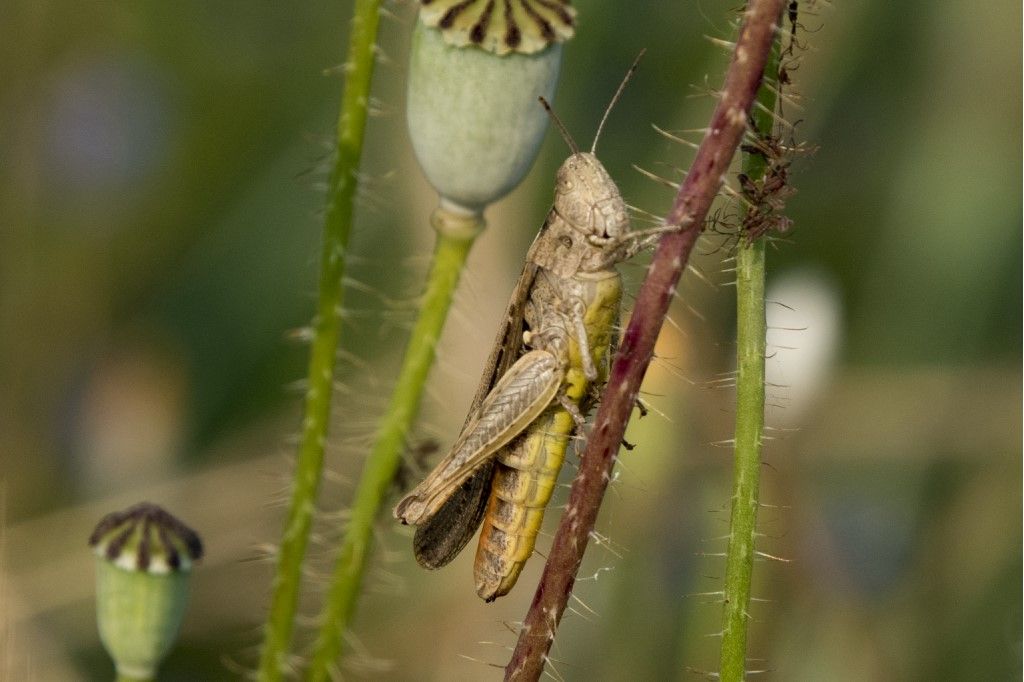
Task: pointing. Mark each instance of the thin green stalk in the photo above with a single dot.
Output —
(326, 330)
(130, 678)
(747, 463)
(382, 464)
(750, 341)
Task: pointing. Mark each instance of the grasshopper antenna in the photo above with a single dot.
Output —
(561, 126)
(615, 97)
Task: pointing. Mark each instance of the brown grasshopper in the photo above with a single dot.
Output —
(549, 362)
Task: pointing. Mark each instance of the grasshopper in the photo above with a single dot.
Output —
(548, 364)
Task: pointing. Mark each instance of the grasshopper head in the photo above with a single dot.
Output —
(588, 199)
(589, 219)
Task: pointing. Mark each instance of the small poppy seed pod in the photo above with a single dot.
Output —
(143, 560)
(476, 71)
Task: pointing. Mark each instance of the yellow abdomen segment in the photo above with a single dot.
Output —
(527, 468)
(524, 479)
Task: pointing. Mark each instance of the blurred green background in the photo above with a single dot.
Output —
(160, 175)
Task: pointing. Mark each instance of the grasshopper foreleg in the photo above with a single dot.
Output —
(633, 242)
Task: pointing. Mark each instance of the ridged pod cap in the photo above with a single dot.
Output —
(144, 558)
(523, 26)
(477, 68)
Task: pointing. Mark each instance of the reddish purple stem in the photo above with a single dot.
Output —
(728, 124)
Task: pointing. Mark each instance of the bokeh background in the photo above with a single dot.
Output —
(161, 168)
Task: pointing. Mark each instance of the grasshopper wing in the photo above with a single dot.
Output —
(519, 397)
(440, 538)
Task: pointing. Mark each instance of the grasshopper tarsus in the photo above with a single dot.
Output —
(629, 446)
(641, 408)
(573, 409)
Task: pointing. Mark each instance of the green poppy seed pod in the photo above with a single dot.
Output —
(476, 71)
(143, 560)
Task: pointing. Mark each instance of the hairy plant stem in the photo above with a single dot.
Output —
(382, 464)
(726, 129)
(750, 358)
(750, 340)
(326, 330)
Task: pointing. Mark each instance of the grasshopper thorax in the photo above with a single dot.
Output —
(588, 223)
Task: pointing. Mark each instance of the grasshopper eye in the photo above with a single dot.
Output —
(565, 241)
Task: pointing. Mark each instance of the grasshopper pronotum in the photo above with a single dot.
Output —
(549, 362)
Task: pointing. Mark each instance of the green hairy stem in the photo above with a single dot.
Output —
(384, 460)
(326, 331)
(750, 358)
(750, 337)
